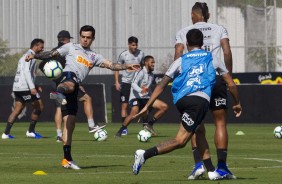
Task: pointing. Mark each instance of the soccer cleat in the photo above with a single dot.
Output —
(59, 139)
(217, 174)
(70, 164)
(95, 128)
(124, 132)
(59, 97)
(33, 135)
(197, 172)
(150, 129)
(7, 136)
(223, 167)
(139, 161)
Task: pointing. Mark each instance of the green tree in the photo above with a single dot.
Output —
(8, 61)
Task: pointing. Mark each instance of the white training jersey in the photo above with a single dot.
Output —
(128, 58)
(79, 60)
(26, 73)
(142, 78)
(213, 33)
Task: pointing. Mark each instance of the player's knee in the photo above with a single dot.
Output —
(87, 98)
(164, 107)
(180, 142)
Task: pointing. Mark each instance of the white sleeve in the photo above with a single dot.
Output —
(224, 32)
(174, 68)
(64, 50)
(27, 73)
(180, 37)
(99, 59)
(121, 58)
(137, 78)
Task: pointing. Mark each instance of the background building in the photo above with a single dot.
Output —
(253, 27)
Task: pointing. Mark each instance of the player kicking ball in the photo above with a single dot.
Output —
(80, 59)
(191, 90)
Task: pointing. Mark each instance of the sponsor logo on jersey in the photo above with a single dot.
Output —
(84, 61)
(186, 119)
(220, 101)
(197, 55)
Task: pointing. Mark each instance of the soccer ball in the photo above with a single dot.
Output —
(52, 69)
(100, 135)
(278, 132)
(144, 136)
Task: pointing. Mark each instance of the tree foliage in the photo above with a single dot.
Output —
(8, 61)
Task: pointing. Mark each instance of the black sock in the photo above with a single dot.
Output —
(196, 155)
(32, 126)
(144, 120)
(152, 121)
(67, 152)
(221, 155)
(122, 119)
(122, 128)
(208, 164)
(151, 152)
(8, 128)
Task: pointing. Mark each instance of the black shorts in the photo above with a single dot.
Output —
(193, 110)
(26, 96)
(219, 95)
(138, 102)
(124, 92)
(71, 107)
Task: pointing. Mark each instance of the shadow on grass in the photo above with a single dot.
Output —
(100, 166)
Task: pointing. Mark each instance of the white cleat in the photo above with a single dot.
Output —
(7, 136)
(197, 172)
(139, 161)
(217, 174)
(33, 135)
(70, 164)
(60, 98)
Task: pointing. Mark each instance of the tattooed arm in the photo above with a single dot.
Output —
(116, 66)
(43, 55)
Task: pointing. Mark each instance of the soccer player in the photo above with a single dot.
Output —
(25, 91)
(215, 39)
(64, 37)
(131, 56)
(191, 91)
(80, 59)
(140, 93)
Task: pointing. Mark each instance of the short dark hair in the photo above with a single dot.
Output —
(203, 7)
(195, 37)
(87, 28)
(132, 39)
(35, 42)
(146, 58)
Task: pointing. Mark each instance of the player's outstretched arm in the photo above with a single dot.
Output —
(156, 93)
(116, 66)
(234, 92)
(43, 55)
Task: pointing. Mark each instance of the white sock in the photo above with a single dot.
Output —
(59, 132)
(91, 123)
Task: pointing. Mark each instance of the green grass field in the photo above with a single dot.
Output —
(254, 157)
